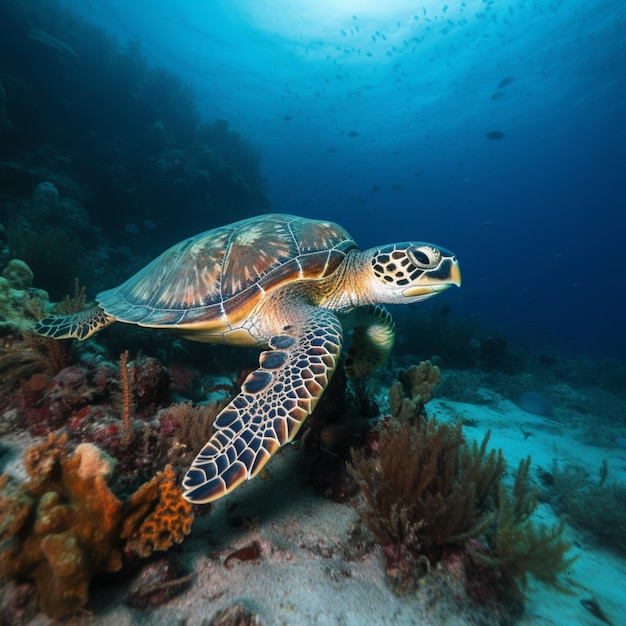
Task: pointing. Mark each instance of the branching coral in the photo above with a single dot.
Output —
(190, 426)
(426, 489)
(64, 525)
(522, 547)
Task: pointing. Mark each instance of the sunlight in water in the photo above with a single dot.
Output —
(308, 17)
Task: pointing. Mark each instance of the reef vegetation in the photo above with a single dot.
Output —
(64, 524)
(431, 498)
(594, 504)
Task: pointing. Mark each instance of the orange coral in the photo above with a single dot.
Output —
(64, 525)
(125, 392)
(169, 521)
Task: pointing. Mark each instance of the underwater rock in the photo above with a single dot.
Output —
(251, 552)
(18, 274)
(234, 615)
(20, 304)
(536, 403)
(45, 197)
(18, 603)
(158, 582)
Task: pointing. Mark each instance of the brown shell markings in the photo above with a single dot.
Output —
(212, 273)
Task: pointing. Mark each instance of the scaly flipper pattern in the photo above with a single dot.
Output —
(274, 401)
(74, 326)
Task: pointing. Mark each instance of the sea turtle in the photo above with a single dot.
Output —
(290, 285)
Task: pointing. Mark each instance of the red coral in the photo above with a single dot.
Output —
(149, 384)
(169, 424)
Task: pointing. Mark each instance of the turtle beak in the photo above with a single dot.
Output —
(447, 275)
(455, 274)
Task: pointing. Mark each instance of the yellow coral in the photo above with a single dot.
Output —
(64, 524)
(413, 390)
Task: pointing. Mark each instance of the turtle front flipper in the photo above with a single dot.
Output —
(372, 340)
(274, 401)
(74, 326)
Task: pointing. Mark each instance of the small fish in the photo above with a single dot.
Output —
(505, 82)
(497, 95)
(353, 133)
(495, 135)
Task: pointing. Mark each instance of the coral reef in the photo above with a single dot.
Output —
(28, 362)
(18, 275)
(183, 430)
(413, 389)
(152, 157)
(424, 490)
(47, 401)
(430, 497)
(156, 516)
(20, 303)
(64, 525)
(149, 384)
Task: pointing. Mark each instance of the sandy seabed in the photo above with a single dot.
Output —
(309, 573)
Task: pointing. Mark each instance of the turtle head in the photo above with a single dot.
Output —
(412, 271)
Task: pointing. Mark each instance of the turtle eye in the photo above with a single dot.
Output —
(425, 257)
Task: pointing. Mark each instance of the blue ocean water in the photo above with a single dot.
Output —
(494, 128)
(377, 115)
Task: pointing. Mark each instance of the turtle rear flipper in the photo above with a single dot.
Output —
(74, 326)
(273, 403)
